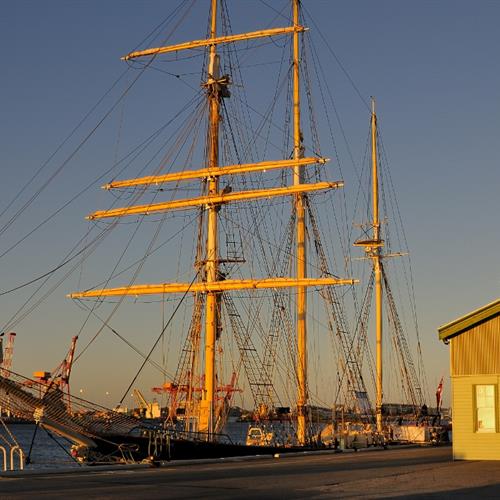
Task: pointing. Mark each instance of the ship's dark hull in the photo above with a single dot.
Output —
(163, 448)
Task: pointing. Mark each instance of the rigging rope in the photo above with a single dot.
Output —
(78, 148)
(122, 338)
(159, 337)
(337, 59)
(105, 231)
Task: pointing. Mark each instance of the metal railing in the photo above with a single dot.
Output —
(14, 450)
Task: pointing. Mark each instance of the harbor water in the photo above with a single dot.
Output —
(47, 450)
(51, 451)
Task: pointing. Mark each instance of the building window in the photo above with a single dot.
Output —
(485, 408)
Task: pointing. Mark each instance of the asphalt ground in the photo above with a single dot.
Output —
(395, 473)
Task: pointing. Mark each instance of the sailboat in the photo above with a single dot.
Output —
(198, 399)
(409, 421)
(212, 285)
(373, 246)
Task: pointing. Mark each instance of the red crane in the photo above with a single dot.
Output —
(6, 354)
(224, 393)
(60, 375)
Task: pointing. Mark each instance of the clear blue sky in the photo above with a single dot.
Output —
(433, 67)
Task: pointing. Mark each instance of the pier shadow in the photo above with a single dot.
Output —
(335, 463)
(482, 492)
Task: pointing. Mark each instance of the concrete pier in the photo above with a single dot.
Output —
(405, 472)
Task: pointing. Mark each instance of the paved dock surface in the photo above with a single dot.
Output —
(395, 473)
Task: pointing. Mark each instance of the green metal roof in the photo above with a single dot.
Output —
(470, 320)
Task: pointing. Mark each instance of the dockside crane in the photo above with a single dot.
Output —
(6, 353)
(149, 410)
(59, 376)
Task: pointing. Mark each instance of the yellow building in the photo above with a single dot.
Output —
(474, 343)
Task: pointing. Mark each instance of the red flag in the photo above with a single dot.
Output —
(438, 393)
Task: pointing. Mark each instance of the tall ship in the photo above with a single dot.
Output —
(263, 291)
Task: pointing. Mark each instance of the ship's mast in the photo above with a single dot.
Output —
(373, 247)
(211, 262)
(376, 257)
(301, 269)
(211, 283)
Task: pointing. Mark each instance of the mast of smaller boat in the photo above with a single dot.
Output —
(376, 257)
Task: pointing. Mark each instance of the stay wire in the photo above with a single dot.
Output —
(52, 271)
(127, 342)
(86, 138)
(159, 337)
(51, 436)
(118, 304)
(342, 67)
(68, 137)
(97, 238)
(91, 184)
(162, 24)
(278, 12)
(71, 156)
(28, 458)
(409, 279)
(120, 301)
(138, 261)
(18, 317)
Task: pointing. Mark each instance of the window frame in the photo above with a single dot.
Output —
(493, 430)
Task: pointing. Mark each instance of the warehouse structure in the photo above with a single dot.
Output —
(474, 341)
